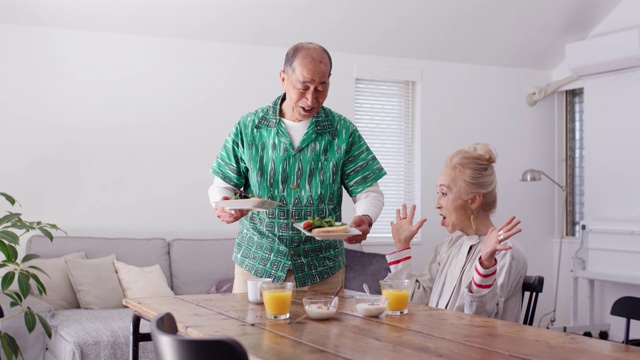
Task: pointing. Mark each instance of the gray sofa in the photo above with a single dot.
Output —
(191, 266)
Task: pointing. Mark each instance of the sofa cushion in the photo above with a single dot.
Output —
(95, 282)
(142, 281)
(137, 252)
(364, 267)
(198, 264)
(60, 293)
(224, 286)
(95, 334)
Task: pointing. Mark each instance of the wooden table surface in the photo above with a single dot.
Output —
(424, 332)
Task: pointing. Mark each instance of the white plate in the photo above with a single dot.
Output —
(248, 204)
(339, 236)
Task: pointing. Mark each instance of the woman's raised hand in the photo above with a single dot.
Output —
(404, 230)
(494, 241)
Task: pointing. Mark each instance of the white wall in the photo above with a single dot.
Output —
(113, 135)
(611, 176)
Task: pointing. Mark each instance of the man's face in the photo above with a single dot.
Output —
(306, 86)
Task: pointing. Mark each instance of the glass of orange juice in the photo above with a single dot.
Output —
(277, 299)
(398, 293)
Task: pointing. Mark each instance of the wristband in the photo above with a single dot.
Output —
(370, 220)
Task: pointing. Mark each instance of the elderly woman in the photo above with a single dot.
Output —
(478, 270)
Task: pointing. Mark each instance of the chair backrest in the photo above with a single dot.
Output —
(532, 285)
(627, 307)
(364, 267)
(170, 345)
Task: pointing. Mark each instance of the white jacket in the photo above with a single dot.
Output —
(447, 281)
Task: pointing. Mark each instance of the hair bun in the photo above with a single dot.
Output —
(484, 150)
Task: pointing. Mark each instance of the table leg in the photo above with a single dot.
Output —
(136, 336)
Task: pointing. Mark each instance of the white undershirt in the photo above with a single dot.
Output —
(296, 129)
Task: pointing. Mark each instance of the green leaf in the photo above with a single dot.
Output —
(29, 257)
(10, 237)
(9, 198)
(42, 290)
(4, 248)
(7, 280)
(12, 255)
(14, 296)
(10, 217)
(13, 304)
(10, 346)
(23, 284)
(46, 233)
(45, 325)
(6, 346)
(38, 269)
(30, 320)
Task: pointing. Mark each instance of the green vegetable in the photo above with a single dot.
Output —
(316, 222)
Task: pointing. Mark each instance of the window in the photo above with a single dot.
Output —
(385, 115)
(574, 101)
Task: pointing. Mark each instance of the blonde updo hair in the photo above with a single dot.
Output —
(473, 174)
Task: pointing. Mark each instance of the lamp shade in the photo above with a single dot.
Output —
(531, 175)
(536, 175)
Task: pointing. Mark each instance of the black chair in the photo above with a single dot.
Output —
(364, 267)
(171, 346)
(533, 285)
(627, 307)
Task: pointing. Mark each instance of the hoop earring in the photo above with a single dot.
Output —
(473, 222)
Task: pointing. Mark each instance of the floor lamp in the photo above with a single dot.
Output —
(536, 175)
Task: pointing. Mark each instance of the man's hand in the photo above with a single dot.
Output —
(361, 223)
(229, 216)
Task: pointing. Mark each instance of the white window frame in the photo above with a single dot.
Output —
(381, 231)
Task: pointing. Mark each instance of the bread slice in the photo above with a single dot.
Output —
(344, 228)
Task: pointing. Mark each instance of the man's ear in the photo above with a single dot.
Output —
(475, 201)
(283, 79)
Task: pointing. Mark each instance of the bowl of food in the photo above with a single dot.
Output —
(375, 306)
(320, 307)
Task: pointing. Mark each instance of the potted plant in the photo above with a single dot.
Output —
(12, 228)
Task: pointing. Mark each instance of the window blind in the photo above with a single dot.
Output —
(385, 116)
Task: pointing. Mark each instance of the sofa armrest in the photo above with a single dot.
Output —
(32, 345)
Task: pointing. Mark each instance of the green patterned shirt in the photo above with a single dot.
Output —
(259, 157)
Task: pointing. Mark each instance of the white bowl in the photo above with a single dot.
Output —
(320, 307)
(368, 308)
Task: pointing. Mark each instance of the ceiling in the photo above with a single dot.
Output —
(512, 33)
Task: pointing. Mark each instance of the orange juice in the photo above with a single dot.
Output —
(398, 299)
(277, 302)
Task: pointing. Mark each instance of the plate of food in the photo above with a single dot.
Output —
(326, 229)
(255, 204)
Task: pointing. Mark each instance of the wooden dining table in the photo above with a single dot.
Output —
(425, 332)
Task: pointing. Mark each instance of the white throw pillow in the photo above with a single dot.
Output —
(60, 293)
(96, 283)
(142, 281)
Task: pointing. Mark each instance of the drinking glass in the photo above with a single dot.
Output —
(277, 299)
(398, 293)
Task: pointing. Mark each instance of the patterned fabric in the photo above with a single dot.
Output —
(259, 157)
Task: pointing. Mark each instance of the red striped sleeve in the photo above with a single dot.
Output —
(396, 262)
(397, 251)
(483, 279)
(396, 258)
